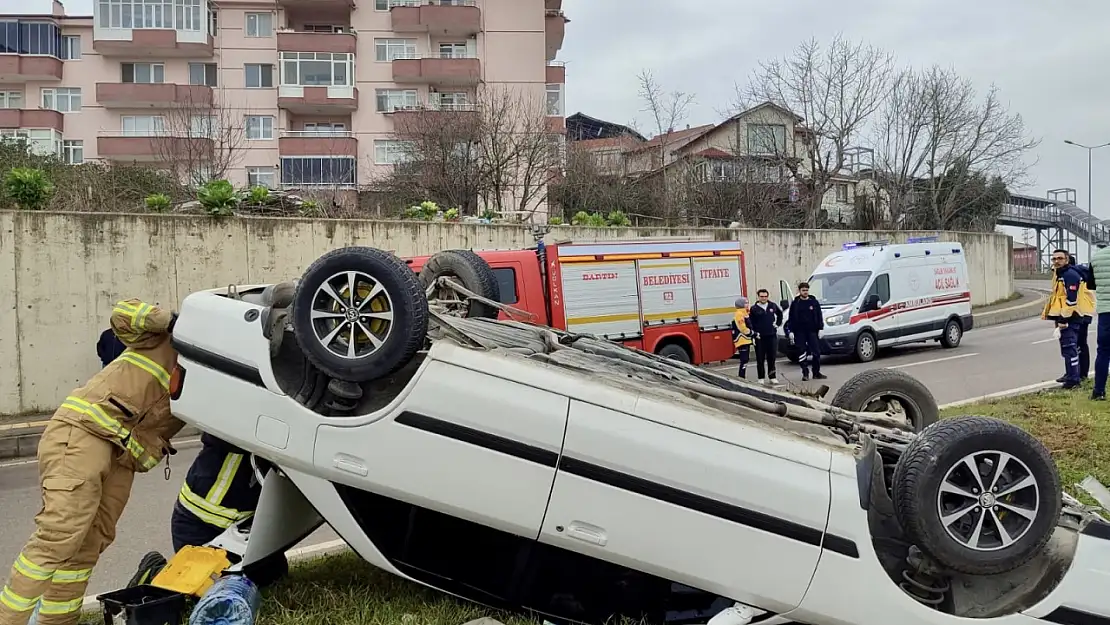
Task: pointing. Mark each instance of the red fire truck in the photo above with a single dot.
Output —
(675, 299)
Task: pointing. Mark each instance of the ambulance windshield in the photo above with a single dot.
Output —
(835, 289)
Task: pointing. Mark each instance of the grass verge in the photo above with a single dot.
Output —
(1075, 429)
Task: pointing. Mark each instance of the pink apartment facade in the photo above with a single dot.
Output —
(315, 83)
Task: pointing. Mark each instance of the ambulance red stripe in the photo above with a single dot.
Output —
(894, 309)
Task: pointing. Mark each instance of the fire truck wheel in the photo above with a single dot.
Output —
(359, 314)
(675, 351)
(472, 272)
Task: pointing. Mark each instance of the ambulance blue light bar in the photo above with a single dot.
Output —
(932, 239)
(851, 245)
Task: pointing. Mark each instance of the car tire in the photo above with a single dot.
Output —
(388, 327)
(868, 391)
(953, 334)
(675, 351)
(934, 470)
(867, 347)
(472, 271)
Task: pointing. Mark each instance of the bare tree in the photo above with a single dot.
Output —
(587, 186)
(836, 90)
(441, 163)
(200, 140)
(720, 191)
(936, 138)
(667, 111)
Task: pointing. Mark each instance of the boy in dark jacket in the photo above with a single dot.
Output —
(765, 319)
(805, 324)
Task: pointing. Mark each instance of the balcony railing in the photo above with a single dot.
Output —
(432, 105)
(437, 69)
(424, 3)
(317, 133)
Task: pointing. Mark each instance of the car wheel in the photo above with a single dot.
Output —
(866, 347)
(953, 334)
(880, 390)
(359, 313)
(675, 352)
(472, 272)
(979, 495)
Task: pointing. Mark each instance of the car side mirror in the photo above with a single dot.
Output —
(783, 304)
(872, 302)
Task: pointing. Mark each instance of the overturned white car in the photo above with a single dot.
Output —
(523, 467)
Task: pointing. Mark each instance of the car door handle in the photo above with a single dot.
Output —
(587, 533)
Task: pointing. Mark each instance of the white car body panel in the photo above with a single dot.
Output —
(646, 479)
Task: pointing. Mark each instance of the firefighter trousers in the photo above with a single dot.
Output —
(84, 491)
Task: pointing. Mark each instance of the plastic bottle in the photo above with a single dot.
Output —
(232, 600)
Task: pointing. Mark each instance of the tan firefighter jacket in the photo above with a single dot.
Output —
(128, 402)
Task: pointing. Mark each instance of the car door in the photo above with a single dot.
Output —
(885, 318)
(677, 497)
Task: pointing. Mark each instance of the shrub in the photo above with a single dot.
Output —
(618, 218)
(451, 214)
(554, 221)
(218, 198)
(28, 187)
(158, 202)
(259, 195)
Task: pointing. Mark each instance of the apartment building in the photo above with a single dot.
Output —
(311, 87)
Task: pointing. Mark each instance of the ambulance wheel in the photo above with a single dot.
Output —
(953, 334)
(472, 272)
(866, 347)
(881, 390)
(359, 314)
(674, 351)
(979, 495)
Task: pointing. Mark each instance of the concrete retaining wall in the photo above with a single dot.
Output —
(60, 273)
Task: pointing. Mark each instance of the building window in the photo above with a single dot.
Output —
(449, 101)
(170, 14)
(71, 47)
(213, 21)
(323, 28)
(25, 37)
(767, 139)
(203, 74)
(389, 49)
(391, 152)
(261, 177)
(260, 127)
(73, 152)
(259, 76)
(43, 142)
(452, 51)
(316, 69)
(390, 100)
(260, 24)
(318, 171)
(555, 106)
(557, 143)
(325, 129)
(62, 99)
(204, 126)
(144, 73)
(842, 193)
(11, 99)
(142, 125)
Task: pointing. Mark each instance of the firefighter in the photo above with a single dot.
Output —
(742, 335)
(118, 424)
(1070, 306)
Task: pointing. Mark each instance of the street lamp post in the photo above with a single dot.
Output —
(1090, 199)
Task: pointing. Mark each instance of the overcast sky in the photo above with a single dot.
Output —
(1045, 56)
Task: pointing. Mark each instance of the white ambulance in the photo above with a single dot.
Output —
(874, 294)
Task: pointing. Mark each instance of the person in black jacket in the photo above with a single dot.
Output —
(805, 324)
(764, 320)
(109, 347)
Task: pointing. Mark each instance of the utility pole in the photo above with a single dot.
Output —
(1090, 199)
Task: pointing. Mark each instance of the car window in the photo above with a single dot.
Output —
(506, 283)
(881, 287)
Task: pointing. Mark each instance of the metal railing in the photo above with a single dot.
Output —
(317, 134)
(1053, 216)
(433, 106)
(424, 3)
(409, 56)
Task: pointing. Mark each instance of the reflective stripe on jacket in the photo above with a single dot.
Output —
(741, 335)
(128, 401)
(220, 489)
(1070, 300)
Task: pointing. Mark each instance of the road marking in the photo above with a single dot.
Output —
(1012, 392)
(1044, 341)
(928, 362)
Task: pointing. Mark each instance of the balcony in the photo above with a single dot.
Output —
(556, 73)
(434, 114)
(418, 16)
(288, 41)
(31, 119)
(316, 143)
(317, 100)
(158, 43)
(29, 68)
(555, 25)
(437, 71)
(159, 96)
(121, 146)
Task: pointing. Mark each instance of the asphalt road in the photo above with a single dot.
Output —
(989, 360)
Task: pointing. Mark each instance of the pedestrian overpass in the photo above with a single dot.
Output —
(1057, 221)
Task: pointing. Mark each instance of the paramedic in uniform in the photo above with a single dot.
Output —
(765, 319)
(742, 335)
(805, 324)
(1069, 307)
(118, 424)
